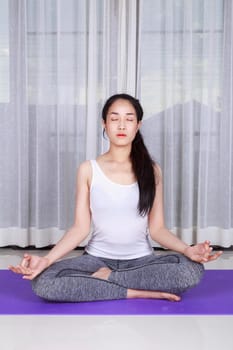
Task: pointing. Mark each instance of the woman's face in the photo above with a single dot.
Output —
(121, 122)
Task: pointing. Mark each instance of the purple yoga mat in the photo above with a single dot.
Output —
(213, 296)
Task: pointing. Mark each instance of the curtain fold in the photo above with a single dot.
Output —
(59, 62)
(225, 184)
(186, 66)
(64, 62)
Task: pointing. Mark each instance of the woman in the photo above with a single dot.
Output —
(121, 193)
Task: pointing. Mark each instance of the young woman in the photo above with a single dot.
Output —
(121, 194)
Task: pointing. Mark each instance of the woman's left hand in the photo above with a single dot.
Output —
(201, 252)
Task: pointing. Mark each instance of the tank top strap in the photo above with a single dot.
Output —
(97, 174)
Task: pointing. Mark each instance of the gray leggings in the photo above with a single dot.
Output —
(70, 280)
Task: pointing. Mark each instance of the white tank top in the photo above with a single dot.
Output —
(119, 232)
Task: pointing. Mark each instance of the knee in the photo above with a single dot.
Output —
(37, 288)
(191, 275)
(196, 273)
(42, 289)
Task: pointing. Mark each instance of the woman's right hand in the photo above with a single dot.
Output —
(31, 266)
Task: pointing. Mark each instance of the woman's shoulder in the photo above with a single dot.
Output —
(84, 166)
(85, 170)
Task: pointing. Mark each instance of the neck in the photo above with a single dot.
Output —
(119, 154)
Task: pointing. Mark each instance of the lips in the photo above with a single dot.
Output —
(121, 135)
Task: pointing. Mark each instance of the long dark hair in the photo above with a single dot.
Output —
(142, 163)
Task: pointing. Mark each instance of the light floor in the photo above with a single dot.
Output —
(115, 332)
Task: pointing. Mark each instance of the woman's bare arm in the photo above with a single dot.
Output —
(81, 227)
(157, 228)
(201, 252)
(32, 265)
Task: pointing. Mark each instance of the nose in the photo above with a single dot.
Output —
(121, 125)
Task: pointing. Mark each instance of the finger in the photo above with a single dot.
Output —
(13, 268)
(30, 276)
(208, 252)
(204, 260)
(199, 259)
(16, 269)
(215, 256)
(26, 271)
(23, 270)
(26, 260)
(207, 246)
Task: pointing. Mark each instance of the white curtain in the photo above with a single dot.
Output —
(60, 60)
(186, 87)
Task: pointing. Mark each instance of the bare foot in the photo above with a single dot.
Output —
(103, 273)
(148, 294)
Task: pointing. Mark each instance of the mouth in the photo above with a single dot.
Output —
(121, 135)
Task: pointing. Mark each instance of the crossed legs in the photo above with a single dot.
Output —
(89, 278)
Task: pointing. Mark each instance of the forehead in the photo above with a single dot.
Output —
(123, 106)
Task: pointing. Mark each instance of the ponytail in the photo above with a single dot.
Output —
(143, 167)
(142, 163)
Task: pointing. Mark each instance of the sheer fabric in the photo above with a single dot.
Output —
(186, 87)
(60, 60)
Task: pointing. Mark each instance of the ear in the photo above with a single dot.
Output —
(139, 124)
(103, 123)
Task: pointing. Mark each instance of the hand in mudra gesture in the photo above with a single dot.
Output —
(31, 266)
(201, 252)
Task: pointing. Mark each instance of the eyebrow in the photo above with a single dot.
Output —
(115, 113)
